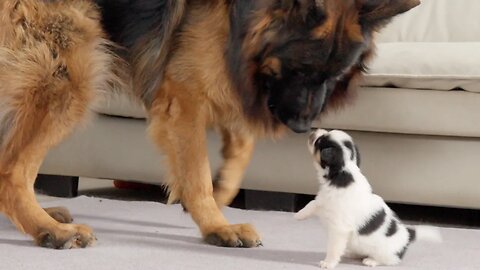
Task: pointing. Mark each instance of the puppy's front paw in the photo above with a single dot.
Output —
(327, 265)
(300, 216)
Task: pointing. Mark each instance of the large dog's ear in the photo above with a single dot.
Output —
(377, 12)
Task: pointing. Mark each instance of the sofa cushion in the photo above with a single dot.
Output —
(426, 65)
(447, 113)
(436, 21)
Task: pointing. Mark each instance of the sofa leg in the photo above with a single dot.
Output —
(271, 201)
(57, 186)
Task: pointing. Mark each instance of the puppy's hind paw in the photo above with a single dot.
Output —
(327, 265)
(370, 262)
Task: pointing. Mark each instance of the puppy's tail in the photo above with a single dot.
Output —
(424, 233)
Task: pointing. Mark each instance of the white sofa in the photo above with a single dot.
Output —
(416, 120)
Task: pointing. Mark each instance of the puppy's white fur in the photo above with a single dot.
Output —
(344, 210)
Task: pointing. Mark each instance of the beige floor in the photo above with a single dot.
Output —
(103, 188)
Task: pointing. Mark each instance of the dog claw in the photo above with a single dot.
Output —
(240, 235)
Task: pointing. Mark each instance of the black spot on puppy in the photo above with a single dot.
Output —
(373, 223)
(402, 252)
(331, 157)
(354, 153)
(412, 235)
(392, 228)
(331, 154)
(340, 179)
(357, 154)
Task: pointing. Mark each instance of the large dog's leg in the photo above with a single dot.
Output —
(41, 108)
(46, 88)
(17, 201)
(237, 151)
(42, 116)
(178, 126)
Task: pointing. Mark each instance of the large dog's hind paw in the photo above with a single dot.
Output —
(239, 235)
(60, 214)
(67, 236)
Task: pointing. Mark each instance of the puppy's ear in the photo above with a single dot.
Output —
(357, 156)
(332, 157)
(375, 13)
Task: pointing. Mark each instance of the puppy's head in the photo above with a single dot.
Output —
(333, 149)
(294, 56)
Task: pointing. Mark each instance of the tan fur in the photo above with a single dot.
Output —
(196, 95)
(335, 10)
(237, 151)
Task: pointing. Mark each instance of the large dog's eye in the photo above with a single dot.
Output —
(272, 66)
(315, 16)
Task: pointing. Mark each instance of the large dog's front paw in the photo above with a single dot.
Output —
(239, 235)
(66, 236)
(60, 214)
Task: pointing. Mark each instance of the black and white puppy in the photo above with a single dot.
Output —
(359, 223)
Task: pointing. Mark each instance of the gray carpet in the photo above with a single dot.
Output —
(145, 235)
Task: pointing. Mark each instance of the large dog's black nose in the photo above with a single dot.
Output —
(299, 125)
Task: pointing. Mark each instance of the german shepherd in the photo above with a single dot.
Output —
(248, 68)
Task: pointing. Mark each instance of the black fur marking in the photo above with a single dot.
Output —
(341, 179)
(412, 235)
(331, 156)
(350, 146)
(402, 252)
(146, 28)
(331, 153)
(237, 61)
(392, 228)
(127, 21)
(357, 153)
(373, 223)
